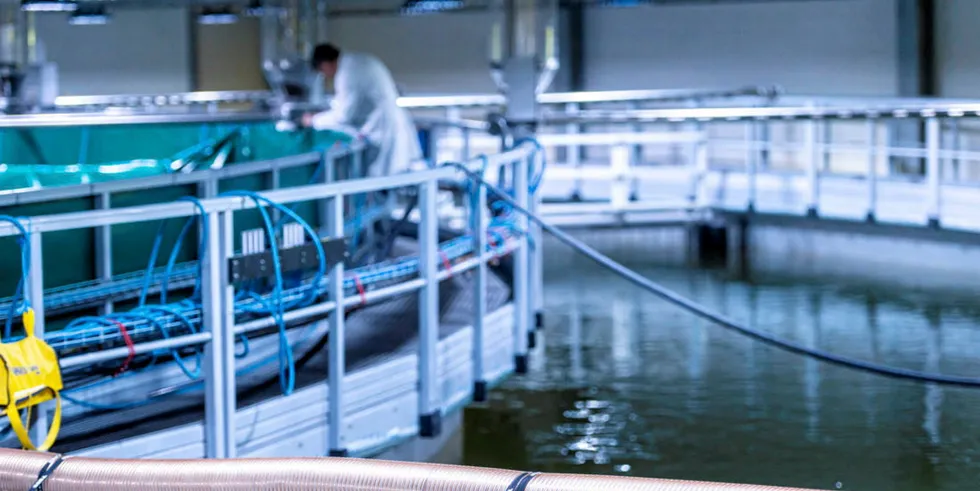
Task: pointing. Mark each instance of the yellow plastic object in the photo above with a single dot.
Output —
(30, 375)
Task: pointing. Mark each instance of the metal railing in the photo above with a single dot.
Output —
(217, 312)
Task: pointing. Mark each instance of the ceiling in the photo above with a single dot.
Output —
(382, 7)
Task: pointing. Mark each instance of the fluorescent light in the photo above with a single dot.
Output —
(213, 17)
(87, 15)
(414, 7)
(260, 9)
(48, 5)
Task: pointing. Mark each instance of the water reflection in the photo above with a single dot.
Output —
(628, 384)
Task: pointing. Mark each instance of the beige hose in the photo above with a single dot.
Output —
(19, 470)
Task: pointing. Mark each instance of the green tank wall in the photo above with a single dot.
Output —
(69, 256)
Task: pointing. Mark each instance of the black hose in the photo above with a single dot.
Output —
(705, 313)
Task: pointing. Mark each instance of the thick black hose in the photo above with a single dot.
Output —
(705, 313)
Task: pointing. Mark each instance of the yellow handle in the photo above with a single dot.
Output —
(17, 425)
(28, 320)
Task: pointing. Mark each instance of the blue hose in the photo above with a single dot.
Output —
(721, 320)
(24, 240)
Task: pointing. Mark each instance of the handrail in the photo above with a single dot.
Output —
(21, 470)
(429, 101)
(893, 111)
(115, 216)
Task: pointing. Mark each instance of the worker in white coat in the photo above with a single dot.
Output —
(366, 102)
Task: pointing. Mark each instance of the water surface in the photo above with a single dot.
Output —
(624, 383)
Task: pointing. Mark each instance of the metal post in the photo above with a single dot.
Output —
(521, 273)
(454, 132)
(103, 248)
(574, 152)
(537, 263)
(933, 174)
(219, 377)
(637, 150)
(327, 164)
(35, 289)
(337, 364)
(826, 138)
(751, 163)
(811, 158)
(479, 215)
(699, 173)
(430, 414)
(620, 167)
(274, 182)
(872, 177)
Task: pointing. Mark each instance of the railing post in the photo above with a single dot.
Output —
(933, 173)
(479, 216)
(430, 412)
(453, 132)
(337, 445)
(103, 247)
(811, 158)
(620, 168)
(751, 164)
(537, 262)
(872, 177)
(219, 320)
(522, 304)
(274, 181)
(574, 152)
(699, 172)
(327, 176)
(35, 291)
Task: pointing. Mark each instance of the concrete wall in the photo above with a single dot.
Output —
(226, 56)
(427, 53)
(807, 47)
(824, 46)
(958, 56)
(143, 51)
(817, 46)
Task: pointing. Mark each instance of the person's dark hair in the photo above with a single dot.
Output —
(324, 53)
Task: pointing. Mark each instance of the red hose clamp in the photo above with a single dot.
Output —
(129, 344)
(360, 290)
(446, 264)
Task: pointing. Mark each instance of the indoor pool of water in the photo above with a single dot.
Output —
(623, 383)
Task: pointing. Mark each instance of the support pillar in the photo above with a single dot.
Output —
(917, 74)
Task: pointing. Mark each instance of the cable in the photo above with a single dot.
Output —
(721, 320)
(24, 241)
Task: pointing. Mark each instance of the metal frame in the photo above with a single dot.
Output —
(218, 337)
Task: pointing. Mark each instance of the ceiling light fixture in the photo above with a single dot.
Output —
(89, 15)
(48, 5)
(416, 7)
(216, 16)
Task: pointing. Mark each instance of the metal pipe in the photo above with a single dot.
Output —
(19, 470)
(933, 171)
(35, 287)
(522, 294)
(480, 219)
(430, 412)
(336, 371)
(116, 353)
(219, 362)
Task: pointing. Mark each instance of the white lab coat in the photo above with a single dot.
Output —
(366, 100)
